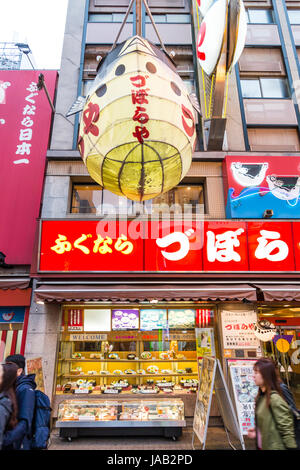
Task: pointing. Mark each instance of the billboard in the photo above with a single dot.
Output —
(25, 118)
(254, 185)
(126, 246)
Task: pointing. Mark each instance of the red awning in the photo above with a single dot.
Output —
(132, 293)
(285, 292)
(14, 283)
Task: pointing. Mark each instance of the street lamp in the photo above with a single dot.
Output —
(25, 49)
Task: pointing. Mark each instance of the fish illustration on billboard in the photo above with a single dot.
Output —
(137, 129)
(249, 174)
(261, 184)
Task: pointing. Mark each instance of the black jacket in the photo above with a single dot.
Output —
(5, 412)
(20, 436)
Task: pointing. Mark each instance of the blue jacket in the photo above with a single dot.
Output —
(20, 436)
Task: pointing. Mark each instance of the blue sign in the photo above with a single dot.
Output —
(12, 314)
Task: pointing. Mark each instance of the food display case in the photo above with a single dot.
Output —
(162, 417)
(147, 357)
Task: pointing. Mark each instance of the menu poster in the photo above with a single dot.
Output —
(182, 318)
(205, 342)
(244, 392)
(35, 366)
(204, 397)
(238, 329)
(153, 319)
(75, 319)
(125, 319)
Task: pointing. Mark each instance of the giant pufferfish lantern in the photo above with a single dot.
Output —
(137, 130)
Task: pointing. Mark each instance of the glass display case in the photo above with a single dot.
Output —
(141, 351)
(115, 417)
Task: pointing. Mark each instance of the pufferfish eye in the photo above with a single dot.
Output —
(175, 88)
(101, 91)
(120, 70)
(151, 67)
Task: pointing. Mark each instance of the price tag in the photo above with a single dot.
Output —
(111, 390)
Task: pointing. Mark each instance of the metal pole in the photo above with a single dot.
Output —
(154, 25)
(122, 26)
(138, 18)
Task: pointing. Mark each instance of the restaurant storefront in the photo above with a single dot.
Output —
(138, 328)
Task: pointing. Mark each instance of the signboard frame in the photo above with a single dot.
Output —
(225, 404)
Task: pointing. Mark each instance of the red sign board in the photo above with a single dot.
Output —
(270, 246)
(25, 117)
(225, 247)
(174, 246)
(231, 246)
(90, 246)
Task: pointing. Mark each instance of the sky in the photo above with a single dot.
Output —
(40, 24)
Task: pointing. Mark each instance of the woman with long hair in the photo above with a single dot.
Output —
(274, 426)
(8, 401)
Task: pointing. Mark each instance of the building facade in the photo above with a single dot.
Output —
(242, 199)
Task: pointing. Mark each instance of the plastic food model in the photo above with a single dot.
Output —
(130, 371)
(120, 383)
(117, 372)
(104, 372)
(152, 369)
(76, 356)
(131, 356)
(146, 355)
(140, 371)
(113, 356)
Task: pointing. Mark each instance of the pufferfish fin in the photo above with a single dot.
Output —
(194, 100)
(77, 106)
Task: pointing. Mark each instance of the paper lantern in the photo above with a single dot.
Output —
(137, 130)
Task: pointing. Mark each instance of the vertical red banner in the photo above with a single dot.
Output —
(25, 118)
(75, 320)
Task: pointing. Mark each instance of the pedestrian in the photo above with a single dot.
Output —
(8, 401)
(20, 437)
(274, 426)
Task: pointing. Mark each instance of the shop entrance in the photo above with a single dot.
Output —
(285, 346)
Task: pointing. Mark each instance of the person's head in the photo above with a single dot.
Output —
(8, 376)
(266, 377)
(19, 360)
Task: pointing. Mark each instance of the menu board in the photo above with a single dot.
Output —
(238, 329)
(205, 342)
(204, 397)
(244, 392)
(182, 318)
(125, 319)
(97, 319)
(153, 319)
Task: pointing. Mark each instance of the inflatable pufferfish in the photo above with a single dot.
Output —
(137, 130)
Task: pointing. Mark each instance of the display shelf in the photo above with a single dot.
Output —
(129, 360)
(163, 417)
(129, 375)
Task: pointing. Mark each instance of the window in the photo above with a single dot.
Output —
(119, 17)
(92, 199)
(260, 16)
(265, 88)
(278, 139)
(294, 16)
